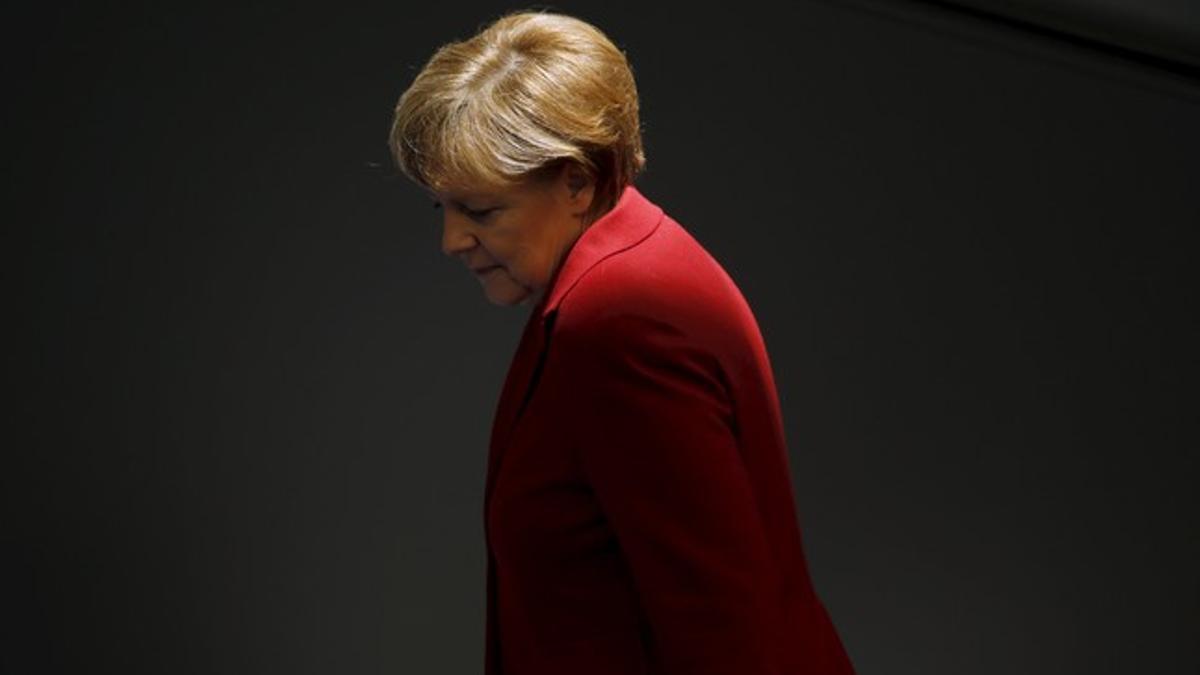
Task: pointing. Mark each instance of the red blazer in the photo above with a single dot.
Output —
(638, 509)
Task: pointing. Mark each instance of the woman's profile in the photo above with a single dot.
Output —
(638, 507)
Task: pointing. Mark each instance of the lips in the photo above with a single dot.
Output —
(484, 270)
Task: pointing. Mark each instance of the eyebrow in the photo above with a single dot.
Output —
(462, 199)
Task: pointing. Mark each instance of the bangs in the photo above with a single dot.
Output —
(477, 142)
(525, 94)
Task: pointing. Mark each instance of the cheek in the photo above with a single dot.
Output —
(521, 269)
(526, 256)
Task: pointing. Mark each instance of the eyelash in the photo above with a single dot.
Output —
(471, 214)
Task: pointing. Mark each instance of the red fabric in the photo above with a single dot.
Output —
(639, 510)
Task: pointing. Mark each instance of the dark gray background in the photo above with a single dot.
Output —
(253, 399)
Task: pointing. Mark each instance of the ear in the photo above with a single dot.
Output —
(580, 186)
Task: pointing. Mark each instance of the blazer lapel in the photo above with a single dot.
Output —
(518, 387)
(631, 220)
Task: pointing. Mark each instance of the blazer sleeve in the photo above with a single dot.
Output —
(658, 446)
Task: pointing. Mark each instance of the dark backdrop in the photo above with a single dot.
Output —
(252, 398)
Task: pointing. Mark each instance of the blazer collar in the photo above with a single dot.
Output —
(631, 220)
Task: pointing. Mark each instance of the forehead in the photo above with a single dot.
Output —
(465, 193)
(467, 188)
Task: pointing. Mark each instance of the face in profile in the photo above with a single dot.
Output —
(514, 240)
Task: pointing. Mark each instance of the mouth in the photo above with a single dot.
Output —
(485, 270)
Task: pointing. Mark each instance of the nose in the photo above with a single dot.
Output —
(456, 234)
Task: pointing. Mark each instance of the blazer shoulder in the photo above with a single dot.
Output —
(668, 279)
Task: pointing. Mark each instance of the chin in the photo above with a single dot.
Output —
(505, 302)
(509, 297)
(503, 289)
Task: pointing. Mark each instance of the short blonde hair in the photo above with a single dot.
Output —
(528, 92)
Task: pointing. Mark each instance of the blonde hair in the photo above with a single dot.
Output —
(528, 92)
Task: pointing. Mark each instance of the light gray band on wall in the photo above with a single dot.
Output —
(1164, 29)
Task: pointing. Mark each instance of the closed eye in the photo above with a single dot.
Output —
(470, 213)
(477, 214)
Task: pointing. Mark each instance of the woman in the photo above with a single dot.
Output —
(638, 510)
